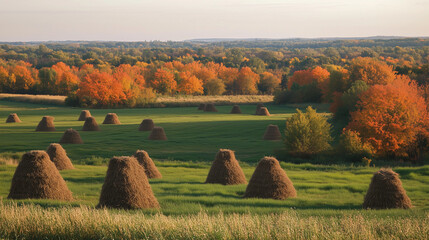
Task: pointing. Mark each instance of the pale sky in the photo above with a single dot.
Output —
(139, 20)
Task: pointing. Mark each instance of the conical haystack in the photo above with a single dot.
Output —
(258, 107)
(46, 124)
(58, 155)
(272, 133)
(202, 106)
(269, 181)
(236, 109)
(126, 186)
(37, 177)
(71, 136)
(263, 112)
(90, 125)
(210, 107)
(13, 118)
(157, 133)
(84, 114)
(225, 169)
(146, 125)
(147, 163)
(386, 191)
(111, 118)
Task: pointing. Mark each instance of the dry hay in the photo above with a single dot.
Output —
(157, 133)
(202, 106)
(148, 164)
(84, 114)
(90, 125)
(210, 107)
(386, 191)
(236, 109)
(58, 155)
(258, 107)
(46, 124)
(272, 133)
(71, 136)
(111, 118)
(270, 181)
(263, 111)
(37, 177)
(146, 125)
(225, 169)
(126, 186)
(13, 118)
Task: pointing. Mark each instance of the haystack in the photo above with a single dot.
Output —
(148, 164)
(269, 181)
(90, 125)
(126, 186)
(71, 136)
(210, 107)
(58, 155)
(386, 191)
(202, 106)
(46, 124)
(13, 118)
(84, 114)
(272, 133)
(157, 134)
(146, 125)
(263, 111)
(258, 107)
(111, 118)
(225, 169)
(37, 177)
(236, 109)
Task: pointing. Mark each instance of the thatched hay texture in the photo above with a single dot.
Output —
(272, 133)
(157, 133)
(71, 136)
(210, 107)
(13, 118)
(111, 118)
(90, 125)
(46, 124)
(58, 155)
(126, 186)
(270, 181)
(84, 114)
(148, 164)
(258, 107)
(146, 125)
(202, 106)
(263, 112)
(386, 191)
(37, 177)
(236, 109)
(225, 169)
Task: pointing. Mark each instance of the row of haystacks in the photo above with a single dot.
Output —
(261, 110)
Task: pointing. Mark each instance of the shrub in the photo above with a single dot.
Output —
(214, 87)
(352, 147)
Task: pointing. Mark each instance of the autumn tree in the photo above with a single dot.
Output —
(246, 82)
(189, 84)
(214, 87)
(268, 83)
(164, 82)
(371, 71)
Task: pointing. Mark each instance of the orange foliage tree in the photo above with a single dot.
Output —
(164, 81)
(189, 84)
(66, 78)
(246, 82)
(371, 71)
(268, 82)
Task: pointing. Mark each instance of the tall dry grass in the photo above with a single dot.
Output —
(189, 101)
(42, 99)
(35, 222)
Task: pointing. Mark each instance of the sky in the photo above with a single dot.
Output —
(176, 20)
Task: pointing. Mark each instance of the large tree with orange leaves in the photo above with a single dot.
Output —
(189, 84)
(371, 71)
(246, 82)
(164, 81)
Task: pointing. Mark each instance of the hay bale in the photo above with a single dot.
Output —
(157, 133)
(236, 109)
(263, 111)
(210, 107)
(90, 125)
(148, 164)
(202, 106)
(146, 125)
(258, 107)
(37, 177)
(270, 181)
(272, 133)
(126, 186)
(386, 191)
(84, 114)
(71, 136)
(225, 169)
(58, 155)
(13, 118)
(46, 124)
(111, 118)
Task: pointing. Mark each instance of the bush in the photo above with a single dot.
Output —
(352, 147)
(307, 133)
(214, 87)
